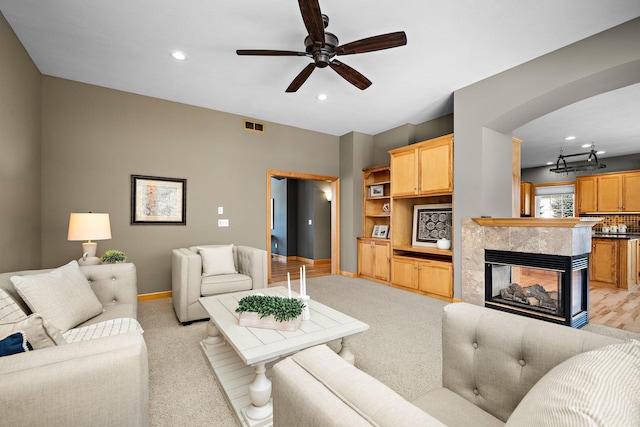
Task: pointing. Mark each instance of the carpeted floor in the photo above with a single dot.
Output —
(402, 348)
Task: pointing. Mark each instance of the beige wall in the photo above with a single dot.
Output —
(94, 139)
(19, 155)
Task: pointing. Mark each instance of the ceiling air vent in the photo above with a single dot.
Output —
(253, 126)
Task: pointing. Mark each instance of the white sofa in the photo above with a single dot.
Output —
(91, 381)
(498, 369)
(207, 270)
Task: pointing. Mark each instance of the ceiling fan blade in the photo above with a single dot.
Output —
(350, 75)
(371, 44)
(265, 52)
(312, 18)
(301, 78)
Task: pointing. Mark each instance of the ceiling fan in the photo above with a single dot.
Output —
(323, 46)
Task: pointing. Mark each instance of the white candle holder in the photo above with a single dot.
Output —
(306, 314)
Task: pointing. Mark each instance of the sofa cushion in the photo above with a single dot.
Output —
(9, 310)
(225, 283)
(217, 260)
(13, 344)
(39, 332)
(454, 410)
(598, 387)
(103, 329)
(63, 296)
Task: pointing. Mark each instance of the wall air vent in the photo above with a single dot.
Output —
(253, 126)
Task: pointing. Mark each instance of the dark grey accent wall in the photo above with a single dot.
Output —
(20, 156)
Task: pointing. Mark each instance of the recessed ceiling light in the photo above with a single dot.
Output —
(178, 55)
(549, 163)
(600, 152)
(321, 97)
(586, 145)
(570, 138)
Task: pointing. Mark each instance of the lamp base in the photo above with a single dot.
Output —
(90, 260)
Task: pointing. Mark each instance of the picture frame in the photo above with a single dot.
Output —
(430, 223)
(376, 191)
(380, 231)
(158, 200)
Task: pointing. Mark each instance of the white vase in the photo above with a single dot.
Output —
(443, 244)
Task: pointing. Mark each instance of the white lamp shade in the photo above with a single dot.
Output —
(89, 226)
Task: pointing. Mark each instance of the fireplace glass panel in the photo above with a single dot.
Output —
(526, 287)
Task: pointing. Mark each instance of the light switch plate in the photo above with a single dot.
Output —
(223, 223)
(220, 210)
(310, 222)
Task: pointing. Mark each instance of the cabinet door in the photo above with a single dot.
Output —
(381, 260)
(631, 192)
(604, 261)
(366, 258)
(436, 168)
(586, 194)
(610, 193)
(404, 173)
(404, 273)
(436, 278)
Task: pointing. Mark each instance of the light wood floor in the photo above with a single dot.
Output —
(280, 267)
(615, 308)
(609, 307)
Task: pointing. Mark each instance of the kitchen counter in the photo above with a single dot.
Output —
(622, 236)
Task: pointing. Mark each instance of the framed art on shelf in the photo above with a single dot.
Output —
(157, 200)
(380, 231)
(376, 191)
(430, 223)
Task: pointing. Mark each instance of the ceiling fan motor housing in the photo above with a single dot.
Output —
(322, 53)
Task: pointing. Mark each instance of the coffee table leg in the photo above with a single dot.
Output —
(213, 334)
(260, 395)
(345, 352)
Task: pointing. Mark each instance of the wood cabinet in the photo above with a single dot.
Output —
(614, 263)
(429, 276)
(609, 193)
(421, 174)
(423, 169)
(631, 192)
(374, 259)
(614, 192)
(374, 253)
(586, 194)
(525, 198)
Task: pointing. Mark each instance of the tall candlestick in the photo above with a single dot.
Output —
(289, 284)
(301, 283)
(304, 274)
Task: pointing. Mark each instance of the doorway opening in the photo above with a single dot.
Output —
(334, 215)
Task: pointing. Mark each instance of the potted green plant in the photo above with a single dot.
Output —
(270, 312)
(113, 256)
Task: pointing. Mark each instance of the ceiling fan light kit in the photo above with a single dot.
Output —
(323, 46)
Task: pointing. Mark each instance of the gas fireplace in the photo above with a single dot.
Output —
(554, 288)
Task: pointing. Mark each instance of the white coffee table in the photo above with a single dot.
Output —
(238, 354)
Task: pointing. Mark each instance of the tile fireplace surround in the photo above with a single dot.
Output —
(565, 236)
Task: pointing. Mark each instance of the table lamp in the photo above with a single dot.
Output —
(89, 226)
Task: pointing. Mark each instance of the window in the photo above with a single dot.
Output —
(555, 201)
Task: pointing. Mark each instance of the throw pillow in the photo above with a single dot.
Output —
(595, 388)
(217, 260)
(38, 332)
(63, 296)
(10, 311)
(13, 344)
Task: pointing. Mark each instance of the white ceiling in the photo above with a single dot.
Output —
(125, 45)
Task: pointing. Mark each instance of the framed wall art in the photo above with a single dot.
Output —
(430, 223)
(157, 200)
(376, 191)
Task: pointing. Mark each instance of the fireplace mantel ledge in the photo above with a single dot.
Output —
(538, 222)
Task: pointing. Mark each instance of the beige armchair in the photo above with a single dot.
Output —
(206, 270)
